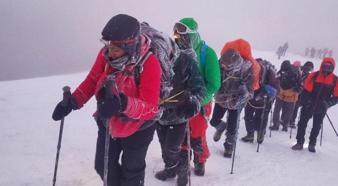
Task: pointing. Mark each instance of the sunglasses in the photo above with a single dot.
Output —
(181, 28)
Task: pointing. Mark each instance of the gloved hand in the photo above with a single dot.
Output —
(270, 91)
(63, 108)
(188, 108)
(112, 105)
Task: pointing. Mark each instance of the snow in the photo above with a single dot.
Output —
(29, 139)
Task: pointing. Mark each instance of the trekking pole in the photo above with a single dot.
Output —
(260, 132)
(235, 141)
(270, 119)
(189, 155)
(290, 131)
(331, 123)
(321, 134)
(108, 85)
(66, 96)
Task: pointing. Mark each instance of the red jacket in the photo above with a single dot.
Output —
(143, 99)
(321, 79)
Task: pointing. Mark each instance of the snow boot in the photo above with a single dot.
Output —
(312, 148)
(199, 169)
(297, 146)
(274, 127)
(217, 135)
(165, 174)
(182, 176)
(228, 149)
(248, 138)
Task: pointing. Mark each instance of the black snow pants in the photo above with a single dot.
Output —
(134, 148)
(253, 117)
(230, 125)
(171, 138)
(305, 115)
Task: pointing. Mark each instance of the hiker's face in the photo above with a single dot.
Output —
(182, 40)
(327, 68)
(115, 52)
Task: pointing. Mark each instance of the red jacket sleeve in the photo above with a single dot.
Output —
(146, 105)
(87, 88)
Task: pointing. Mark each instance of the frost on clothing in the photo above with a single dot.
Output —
(244, 48)
(236, 88)
(210, 70)
(143, 99)
(187, 82)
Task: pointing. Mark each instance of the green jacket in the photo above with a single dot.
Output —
(210, 70)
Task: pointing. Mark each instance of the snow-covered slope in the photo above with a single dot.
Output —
(29, 138)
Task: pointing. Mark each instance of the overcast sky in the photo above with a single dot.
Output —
(39, 38)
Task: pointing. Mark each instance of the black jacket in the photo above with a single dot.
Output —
(187, 82)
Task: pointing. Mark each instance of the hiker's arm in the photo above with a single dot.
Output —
(87, 88)
(212, 75)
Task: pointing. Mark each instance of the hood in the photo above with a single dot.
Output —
(241, 45)
(195, 38)
(329, 60)
(244, 48)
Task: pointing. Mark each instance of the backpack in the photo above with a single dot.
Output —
(290, 79)
(266, 66)
(166, 51)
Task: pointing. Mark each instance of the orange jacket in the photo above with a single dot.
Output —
(244, 48)
(321, 78)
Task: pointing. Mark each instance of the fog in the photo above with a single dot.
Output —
(42, 38)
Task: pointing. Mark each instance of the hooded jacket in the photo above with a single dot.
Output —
(142, 99)
(237, 87)
(320, 88)
(210, 70)
(244, 48)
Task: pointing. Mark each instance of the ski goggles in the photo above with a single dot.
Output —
(181, 28)
(117, 43)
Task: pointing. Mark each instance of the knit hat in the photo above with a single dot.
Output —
(190, 22)
(309, 64)
(123, 31)
(297, 64)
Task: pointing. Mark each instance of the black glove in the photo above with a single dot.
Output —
(63, 108)
(196, 145)
(112, 105)
(188, 108)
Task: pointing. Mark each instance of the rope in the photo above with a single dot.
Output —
(171, 98)
(255, 106)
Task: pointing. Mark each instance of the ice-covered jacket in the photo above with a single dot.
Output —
(142, 99)
(237, 76)
(186, 81)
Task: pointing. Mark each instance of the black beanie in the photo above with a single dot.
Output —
(125, 29)
(309, 64)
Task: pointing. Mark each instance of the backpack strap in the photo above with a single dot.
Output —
(139, 67)
(204, 53)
